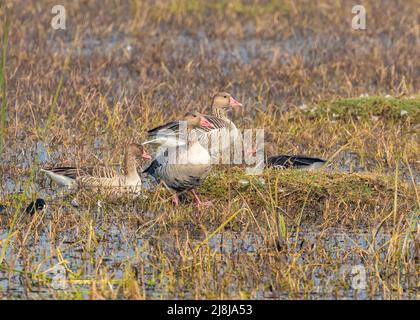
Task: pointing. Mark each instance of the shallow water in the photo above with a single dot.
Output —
(121, 243)
(114, 248)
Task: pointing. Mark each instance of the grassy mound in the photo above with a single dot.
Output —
(334, 198)
(368, 108)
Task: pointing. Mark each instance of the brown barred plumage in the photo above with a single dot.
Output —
(103, 178)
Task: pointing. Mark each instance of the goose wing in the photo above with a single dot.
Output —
(78, 172)
(169, 134)
(287, 161)
(218, 123)
(151, 169)
(170, 126)
(157, 164)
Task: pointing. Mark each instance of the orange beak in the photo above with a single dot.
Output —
(234, 103)
(145, 155)
(205, 123)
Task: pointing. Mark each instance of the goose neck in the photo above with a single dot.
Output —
(130, 165)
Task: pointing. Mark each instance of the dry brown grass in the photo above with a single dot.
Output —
(131, 66)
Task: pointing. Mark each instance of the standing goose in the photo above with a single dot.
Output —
(225, 131)
(173, 134)
(221, 103)
(103, 178)
(188, 170)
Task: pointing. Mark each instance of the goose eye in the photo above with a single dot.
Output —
(225, 97)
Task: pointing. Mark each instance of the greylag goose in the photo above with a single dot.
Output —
(294, 161)
(173, 134)
(221, 103)
(219, 137)
(103, 178)
(290, 161)
(187, 171)
(225, 133)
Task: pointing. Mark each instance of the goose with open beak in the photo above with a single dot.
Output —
(173, 134)
(219, 137)
(184, 166)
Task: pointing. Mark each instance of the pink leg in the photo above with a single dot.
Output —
(175, 199)
(200, 203)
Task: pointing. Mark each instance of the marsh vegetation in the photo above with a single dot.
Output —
(78, 95)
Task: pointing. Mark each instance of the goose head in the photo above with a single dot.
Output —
(138, 151)
(222, 101)
(196, 120)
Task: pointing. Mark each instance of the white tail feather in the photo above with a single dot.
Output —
(60, 179)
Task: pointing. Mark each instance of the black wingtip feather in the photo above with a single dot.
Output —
(287, 161)
(36, 205)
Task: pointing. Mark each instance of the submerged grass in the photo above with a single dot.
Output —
(298, 70)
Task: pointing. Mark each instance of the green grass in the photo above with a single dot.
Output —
(198, 7)
(368, 108)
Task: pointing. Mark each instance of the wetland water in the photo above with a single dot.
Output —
(343, 271)
(332, 263)
(127, 69)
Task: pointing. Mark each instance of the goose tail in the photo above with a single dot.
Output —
(59, 176)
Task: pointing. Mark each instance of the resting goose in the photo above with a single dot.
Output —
(183, 167)
(291, 161)
(294, 161)
(103, 178)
